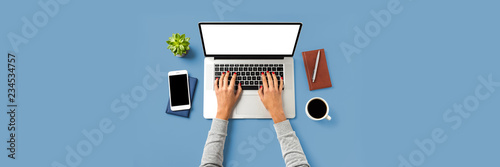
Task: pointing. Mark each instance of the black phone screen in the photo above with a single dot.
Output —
(179, 94)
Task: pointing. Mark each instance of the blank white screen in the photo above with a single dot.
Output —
(245, 39)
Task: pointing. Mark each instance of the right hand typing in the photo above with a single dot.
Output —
(270, 95)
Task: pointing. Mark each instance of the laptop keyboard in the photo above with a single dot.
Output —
(249, 74)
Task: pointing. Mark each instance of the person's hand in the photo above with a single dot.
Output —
(270, 95)
(226, 97)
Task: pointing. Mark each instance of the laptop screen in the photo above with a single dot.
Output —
(259, 39)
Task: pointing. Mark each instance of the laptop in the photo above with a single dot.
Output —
(249, 48)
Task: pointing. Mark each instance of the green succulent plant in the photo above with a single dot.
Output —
(178, 44)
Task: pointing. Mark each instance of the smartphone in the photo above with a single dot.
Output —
(178, 84)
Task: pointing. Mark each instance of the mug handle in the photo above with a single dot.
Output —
(328, 117)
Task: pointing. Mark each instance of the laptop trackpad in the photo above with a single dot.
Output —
(250, 105)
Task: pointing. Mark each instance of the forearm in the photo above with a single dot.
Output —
(278, 116)
(290, 145)
(223, 114)
(213, 153)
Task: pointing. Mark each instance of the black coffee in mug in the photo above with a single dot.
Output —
(317, 108)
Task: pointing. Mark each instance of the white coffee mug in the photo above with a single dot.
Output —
(327, 109)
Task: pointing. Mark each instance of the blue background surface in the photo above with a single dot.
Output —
(394, 92)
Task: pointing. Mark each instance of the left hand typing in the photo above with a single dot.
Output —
(226, 96)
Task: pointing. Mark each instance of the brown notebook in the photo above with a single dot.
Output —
(322, 75)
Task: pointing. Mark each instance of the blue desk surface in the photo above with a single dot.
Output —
(392, 103)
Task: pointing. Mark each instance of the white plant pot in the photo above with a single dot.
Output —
(187, 51)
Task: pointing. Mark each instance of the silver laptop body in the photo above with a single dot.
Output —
(249, 49)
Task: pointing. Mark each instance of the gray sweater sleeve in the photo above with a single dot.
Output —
(290, 146)
(213, 153)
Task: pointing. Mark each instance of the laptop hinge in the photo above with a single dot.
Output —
(248, 57)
